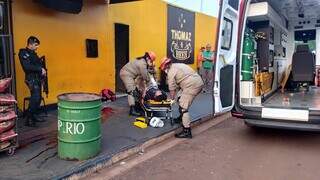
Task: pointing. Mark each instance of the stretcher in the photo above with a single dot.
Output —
(162, 110)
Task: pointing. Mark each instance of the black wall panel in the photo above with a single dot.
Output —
(68, 6)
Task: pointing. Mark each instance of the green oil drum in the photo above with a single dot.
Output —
(79, 126)
(247, 57)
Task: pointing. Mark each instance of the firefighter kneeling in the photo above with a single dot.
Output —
(181, 76)
(130, 72)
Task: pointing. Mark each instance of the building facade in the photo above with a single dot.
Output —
(122, 31)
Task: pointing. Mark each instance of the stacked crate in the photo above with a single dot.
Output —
(8, 118)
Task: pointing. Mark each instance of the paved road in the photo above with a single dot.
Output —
(232, 151)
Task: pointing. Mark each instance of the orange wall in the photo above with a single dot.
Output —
(206, 30)
(148, 27)
(63, 37)
(147, 22)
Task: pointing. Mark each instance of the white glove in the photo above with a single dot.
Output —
(156, 122)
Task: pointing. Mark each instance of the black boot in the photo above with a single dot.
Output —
(185, 133)
(133, 111)
(37, 119)
(29, 122)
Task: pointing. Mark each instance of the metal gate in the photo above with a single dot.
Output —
(6, 43)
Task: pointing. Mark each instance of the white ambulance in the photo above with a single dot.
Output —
(267, 57)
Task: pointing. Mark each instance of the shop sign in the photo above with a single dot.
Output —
(180, 35)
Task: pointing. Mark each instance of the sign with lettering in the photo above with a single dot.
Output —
(180, 35)
(71, 128)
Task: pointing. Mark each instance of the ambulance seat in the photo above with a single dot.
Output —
(303, 65)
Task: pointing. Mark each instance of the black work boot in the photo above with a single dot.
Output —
(29, 122)
(133, 111)
(185, 133)
(37, 119)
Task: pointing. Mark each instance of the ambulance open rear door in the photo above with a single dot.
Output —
(225, 69)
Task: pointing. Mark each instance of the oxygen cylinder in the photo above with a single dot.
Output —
(247, 56)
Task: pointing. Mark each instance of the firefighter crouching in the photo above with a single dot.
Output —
(131, 71)
(181, 76)
(32, 66)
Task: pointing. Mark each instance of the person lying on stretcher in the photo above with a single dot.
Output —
(144, 95)
(154, 93)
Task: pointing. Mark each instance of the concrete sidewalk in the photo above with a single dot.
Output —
(37, 157)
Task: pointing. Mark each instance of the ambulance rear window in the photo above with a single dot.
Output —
(227, 27)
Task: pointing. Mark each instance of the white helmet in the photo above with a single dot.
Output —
(156, 122)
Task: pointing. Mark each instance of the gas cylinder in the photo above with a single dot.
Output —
(247, 56)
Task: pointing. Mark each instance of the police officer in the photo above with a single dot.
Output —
(131, 71)
(33, 69)
(181, 76)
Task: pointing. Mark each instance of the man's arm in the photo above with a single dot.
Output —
(144, 71)
(200, 59)
(207, 56)
(211, 57)
(172, 84)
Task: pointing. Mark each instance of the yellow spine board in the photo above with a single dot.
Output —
(263, 82)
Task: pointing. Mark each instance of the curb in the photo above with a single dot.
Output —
(102, 162)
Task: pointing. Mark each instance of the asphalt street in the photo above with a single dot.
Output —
(233, 151)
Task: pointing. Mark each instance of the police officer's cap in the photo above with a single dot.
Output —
(33, 40)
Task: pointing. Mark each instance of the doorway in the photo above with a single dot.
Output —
(121, 52)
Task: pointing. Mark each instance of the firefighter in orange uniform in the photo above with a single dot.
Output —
(181, 76)
(130, 72)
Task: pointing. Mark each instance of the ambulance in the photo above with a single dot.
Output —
(268, 52)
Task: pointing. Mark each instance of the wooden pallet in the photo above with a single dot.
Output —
(285, 78)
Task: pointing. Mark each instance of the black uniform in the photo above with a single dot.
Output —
(32, 67)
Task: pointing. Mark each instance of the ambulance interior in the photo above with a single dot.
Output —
(281, 54)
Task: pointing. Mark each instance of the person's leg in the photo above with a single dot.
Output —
(35, 99)
(38, 97)
(202, 73)
(34, 103)
(130, 85)
(210, 80)
(28, 120)
(184, 104)
(206, 80)
(178, 120)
